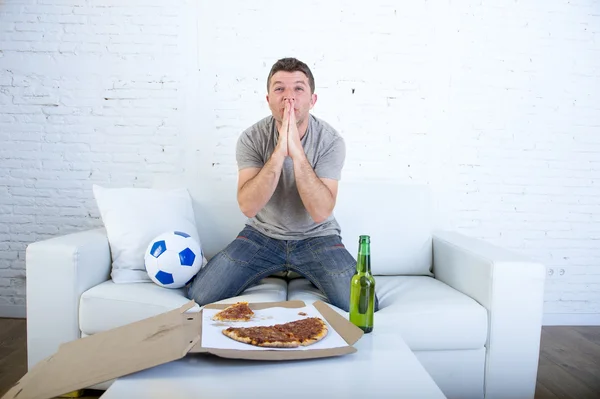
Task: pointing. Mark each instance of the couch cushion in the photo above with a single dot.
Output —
(109, 305)
(428, 314)
(300, 289)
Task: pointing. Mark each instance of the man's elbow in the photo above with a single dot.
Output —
(249, 214)
(322, 214)
(247, 210)
(320, 217)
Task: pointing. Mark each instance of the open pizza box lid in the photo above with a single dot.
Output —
(150, 342)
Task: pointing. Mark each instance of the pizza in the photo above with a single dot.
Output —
(288, 335)
(239, 311)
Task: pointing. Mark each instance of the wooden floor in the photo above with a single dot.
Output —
(569, 361)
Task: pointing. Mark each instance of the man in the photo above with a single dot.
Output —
(289, 166)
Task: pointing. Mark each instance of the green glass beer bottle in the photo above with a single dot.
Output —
(362, 288)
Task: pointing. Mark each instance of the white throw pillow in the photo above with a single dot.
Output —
(133, 217)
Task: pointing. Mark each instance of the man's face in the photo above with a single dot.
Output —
(286, 85)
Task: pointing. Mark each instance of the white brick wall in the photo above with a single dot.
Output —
(90, 92)
(495, 106)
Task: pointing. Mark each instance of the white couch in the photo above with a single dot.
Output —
(474, 323)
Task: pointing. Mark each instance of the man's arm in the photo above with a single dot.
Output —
(257, 185)
(318, 195)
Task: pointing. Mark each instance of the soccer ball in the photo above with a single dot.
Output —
(173, 258)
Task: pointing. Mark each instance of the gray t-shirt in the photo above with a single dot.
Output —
(284, 217)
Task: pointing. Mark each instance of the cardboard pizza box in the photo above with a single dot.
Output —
(153, 341)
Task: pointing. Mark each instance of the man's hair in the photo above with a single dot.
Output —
(292, 65)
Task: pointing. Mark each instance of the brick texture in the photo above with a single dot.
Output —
(495, 106)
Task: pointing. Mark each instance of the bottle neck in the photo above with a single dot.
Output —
(363, 264)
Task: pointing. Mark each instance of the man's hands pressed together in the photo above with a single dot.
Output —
(282, 146)
(289, 137)
(295, 150)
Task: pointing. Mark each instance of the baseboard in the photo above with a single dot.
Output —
(571, 319)
(13, 311)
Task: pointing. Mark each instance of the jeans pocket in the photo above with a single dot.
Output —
(243, 249)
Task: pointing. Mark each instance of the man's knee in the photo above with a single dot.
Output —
(211, 283)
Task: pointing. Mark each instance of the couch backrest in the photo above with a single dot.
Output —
(397, 217)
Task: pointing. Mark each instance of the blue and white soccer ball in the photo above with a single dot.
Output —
(173, 258)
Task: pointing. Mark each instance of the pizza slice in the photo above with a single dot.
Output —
(306, 331)
(239, 311)
(262, 336)
(288, 335)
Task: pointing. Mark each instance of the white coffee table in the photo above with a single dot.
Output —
(383, 367)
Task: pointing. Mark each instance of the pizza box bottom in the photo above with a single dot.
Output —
(153, 341)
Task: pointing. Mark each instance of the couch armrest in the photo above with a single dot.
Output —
(511, 288)
(58, 271)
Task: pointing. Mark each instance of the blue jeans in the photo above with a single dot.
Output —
(252, 256)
